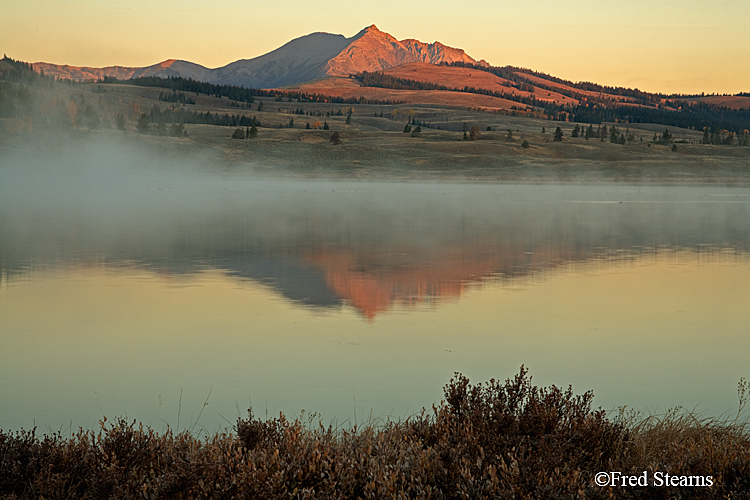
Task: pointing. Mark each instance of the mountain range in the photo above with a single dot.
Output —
(310, 57)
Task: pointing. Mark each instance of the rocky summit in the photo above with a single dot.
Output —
(306, 58)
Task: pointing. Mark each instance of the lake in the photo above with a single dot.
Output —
(181, 295)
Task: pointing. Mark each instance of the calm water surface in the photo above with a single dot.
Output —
(146, 293)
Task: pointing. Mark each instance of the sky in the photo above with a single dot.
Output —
(671, 46)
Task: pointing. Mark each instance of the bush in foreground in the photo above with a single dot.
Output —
(492, 440)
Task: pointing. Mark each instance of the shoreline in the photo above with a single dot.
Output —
(388, 156)
(488, 440)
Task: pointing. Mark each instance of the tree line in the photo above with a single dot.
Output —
(675, 113)
(515, 74)
(238, 93)
(176, 97)
(234, 92)
(381, 80)
(697, 116)
(182, 115)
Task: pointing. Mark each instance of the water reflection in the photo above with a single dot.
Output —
(123, 287)
(651, 332)
(362, 244)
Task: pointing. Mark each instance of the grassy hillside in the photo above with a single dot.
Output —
(448, 133)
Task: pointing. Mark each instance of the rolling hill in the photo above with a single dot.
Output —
(373, 66)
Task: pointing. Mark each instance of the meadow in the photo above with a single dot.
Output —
(406, 134)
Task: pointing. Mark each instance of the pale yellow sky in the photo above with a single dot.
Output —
(686, 46)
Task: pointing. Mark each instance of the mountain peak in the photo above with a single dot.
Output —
(371, 30)
(303, 59)
(375, 50)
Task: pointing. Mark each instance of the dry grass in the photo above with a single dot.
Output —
(729, 101)
(373, 145)
(458, 77)
(567, 88)
(431, 97)
(494, 440)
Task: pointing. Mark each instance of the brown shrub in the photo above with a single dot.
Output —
(492, 440)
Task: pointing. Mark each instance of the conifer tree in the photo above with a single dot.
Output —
(474, 133)
(613, 135)
(143, 124)
(177, 130)
(666, 137)
(590, 132)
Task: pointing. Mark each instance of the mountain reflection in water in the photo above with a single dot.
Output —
(368, 245)
(125, 285)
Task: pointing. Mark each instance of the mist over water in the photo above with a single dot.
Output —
(107, 203)
(400, 271)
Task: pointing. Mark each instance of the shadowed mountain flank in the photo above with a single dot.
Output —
(299, 60)
(164, 69)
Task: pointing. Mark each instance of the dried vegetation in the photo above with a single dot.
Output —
(494, 440)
